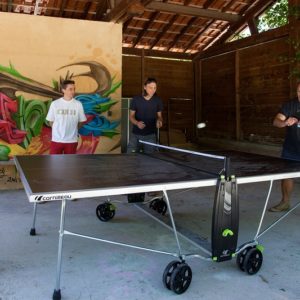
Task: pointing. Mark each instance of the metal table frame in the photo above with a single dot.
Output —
(165, 188)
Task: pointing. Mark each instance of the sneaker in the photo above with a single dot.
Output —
(281, 206)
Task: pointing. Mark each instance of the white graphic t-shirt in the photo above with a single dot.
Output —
(65, 115)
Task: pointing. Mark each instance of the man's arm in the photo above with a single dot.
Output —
(281, 121)
(134, 121)
(50, 115)
(159, 119)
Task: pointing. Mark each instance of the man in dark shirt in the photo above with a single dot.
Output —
(289, 117)
(146, 117)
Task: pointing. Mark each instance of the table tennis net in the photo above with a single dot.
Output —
(207, 164)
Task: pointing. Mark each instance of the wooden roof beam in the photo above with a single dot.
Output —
(118, 11)
(228, 5)
(263, 37)
(9, 5)
(216, 39)
(125, 9)
(155, 53)
(208, 3)
(166, 28)
(252, 13)
(76, 11)
(252, 26)
(193, 11)
(100, 10)
(146, 27)
(196, 37)
(62, 7)
(182, 32)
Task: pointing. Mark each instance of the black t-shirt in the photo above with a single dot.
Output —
(292, 137)
(146, 111)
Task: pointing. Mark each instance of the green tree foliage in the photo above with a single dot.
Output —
(275, 16)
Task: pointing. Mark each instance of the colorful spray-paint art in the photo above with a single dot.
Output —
(28, 86)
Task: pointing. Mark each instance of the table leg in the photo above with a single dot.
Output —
(32, 230)
(173, 222)
(56, 293)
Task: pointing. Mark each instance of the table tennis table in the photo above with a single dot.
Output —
(67, 177)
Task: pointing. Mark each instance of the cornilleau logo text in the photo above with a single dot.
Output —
(50, 198)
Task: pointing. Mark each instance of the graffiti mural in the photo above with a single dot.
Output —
(23, 125)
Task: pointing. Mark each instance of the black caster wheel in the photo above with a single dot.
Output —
(241, 258)
(132, 198)
(154, 204)
(168, 272)
(181, 278)
(253, 261)
(161, 207)
(105, 211)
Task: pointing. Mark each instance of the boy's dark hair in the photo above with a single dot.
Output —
(64, 84)
(148, 81)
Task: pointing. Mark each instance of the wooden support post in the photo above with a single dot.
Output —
(197, 95)
(143, 69)
(169, 123)
(237, 96)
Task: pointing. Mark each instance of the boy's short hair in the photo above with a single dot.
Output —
(150, 80)
(64, 84)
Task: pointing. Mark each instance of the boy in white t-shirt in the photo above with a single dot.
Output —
(66, 116)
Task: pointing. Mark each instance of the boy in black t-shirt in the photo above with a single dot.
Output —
(289, 117)
(146, 117)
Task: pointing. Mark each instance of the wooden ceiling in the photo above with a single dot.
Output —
(181, 26)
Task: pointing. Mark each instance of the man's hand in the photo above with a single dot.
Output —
(159, 124)
(291, 121)
(140, 124)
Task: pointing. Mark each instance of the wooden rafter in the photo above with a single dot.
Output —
(182, 32)
(274, 34)
(193, 11)
(125, 25)
(196, 37)
(156, 53)
(252, 26)
(250, 14)
(75, 9)
(122, 9)
(190, 44)
(100, 10)
(208, 3)
(9, 5)
(228, 5)
(217, 38)
(146, 27)
(62, 7)
(166, 28)
(117, 12)
(87, 7)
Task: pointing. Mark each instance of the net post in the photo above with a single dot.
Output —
(227, 167)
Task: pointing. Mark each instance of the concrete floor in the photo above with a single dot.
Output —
(94, 270)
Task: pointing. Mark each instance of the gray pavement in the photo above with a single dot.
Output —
(94, 270)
